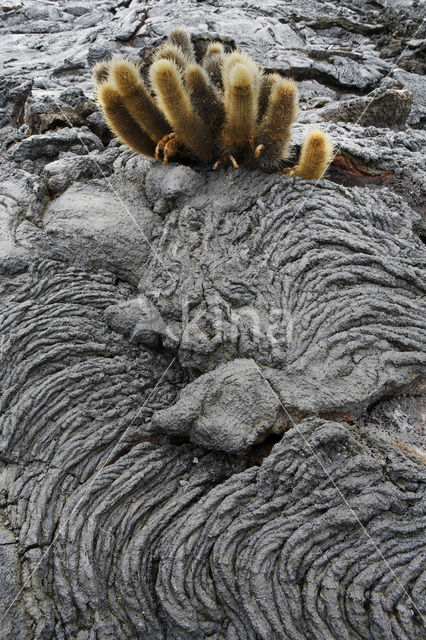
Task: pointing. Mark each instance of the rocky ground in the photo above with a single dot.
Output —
(213, 393)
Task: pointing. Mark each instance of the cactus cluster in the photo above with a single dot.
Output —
(224, 110)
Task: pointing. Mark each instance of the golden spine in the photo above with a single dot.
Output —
(273, 140)
(213, 63)
(121, 122)
(241, 92)
(175, 103)
(101, 71)
(173, 53)
(180, 38)
(137, 100)
(315, 156)
(205, 98)
(266, 85)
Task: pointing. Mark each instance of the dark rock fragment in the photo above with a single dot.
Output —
(380, 108)
(14, 92)
(70, 109)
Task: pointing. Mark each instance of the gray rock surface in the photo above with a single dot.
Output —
(230, 409)
(380, 108)
(94, 226)
(212, 416)
(70, 109)
(15, 623)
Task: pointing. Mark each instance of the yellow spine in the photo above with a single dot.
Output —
(121, 122)
(173, 53)
(240, 57)
(315, 156)
(128, 82)
(266, 84)
(241, 92)
(273, 140)
(213, 63)
(101, 71)
(205, 98)
(180, 38)
(175, 103)
(213, 49)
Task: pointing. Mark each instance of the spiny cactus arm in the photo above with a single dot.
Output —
(266, 83)
(213, 63)
(121, 122)
(171, 52)
(214, 48)
(241, 93)
(272, 142)
(175, 103)
(180, 38)
(315, 156)
(137, 100)
(101, 71)
(205, 98)
(240, 57)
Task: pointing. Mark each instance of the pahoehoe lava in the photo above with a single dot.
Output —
(212, 409)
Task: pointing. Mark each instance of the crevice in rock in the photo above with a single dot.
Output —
(254, 456)
(124, 4)
(29, 547)
(326, 22)
(257, 453)
(138, 28)
(322, 77)
(355, 173)
(350, 171)
(179, 440)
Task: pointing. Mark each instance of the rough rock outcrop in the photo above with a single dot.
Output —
(212, 411)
